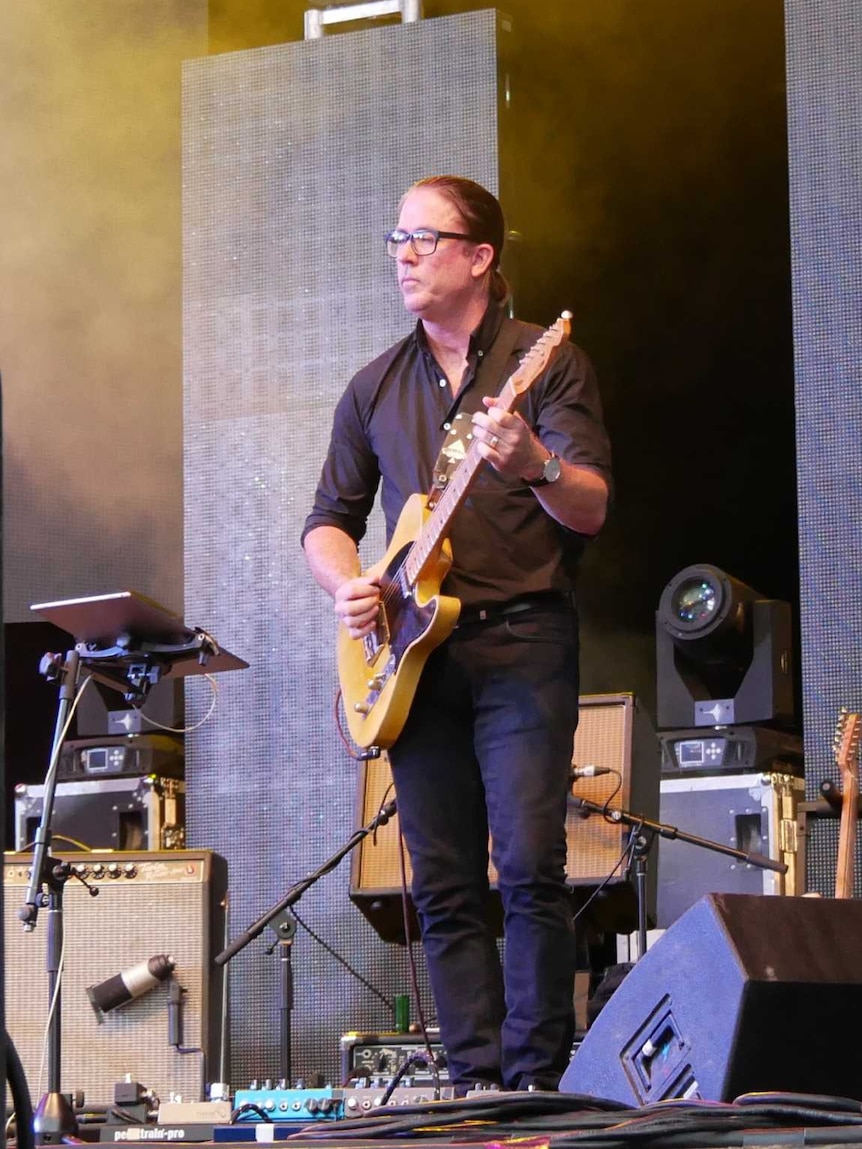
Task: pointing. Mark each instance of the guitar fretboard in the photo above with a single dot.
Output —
(436, 526)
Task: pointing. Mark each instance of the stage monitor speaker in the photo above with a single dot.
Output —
(742, 993)
(613, 732)
(150, 902)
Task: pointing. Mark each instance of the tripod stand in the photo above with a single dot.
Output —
(129, 643)
(284, 926)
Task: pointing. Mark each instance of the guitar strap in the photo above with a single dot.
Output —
(489, 381)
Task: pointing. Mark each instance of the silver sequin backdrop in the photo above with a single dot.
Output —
(295, 158)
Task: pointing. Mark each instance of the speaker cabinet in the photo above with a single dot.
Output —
(613, 732)
(742, 993)
(170, 902)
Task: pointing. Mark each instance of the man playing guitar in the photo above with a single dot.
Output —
(484, 742)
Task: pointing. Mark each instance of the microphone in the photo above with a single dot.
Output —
(131, 983)
(589, 771)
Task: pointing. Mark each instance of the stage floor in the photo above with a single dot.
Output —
(534, 1120)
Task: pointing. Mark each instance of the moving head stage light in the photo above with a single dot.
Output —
(723, 653)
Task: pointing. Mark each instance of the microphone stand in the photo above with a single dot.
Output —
(54, 1117)
(643, 834)
(127, 662)
(286, 928)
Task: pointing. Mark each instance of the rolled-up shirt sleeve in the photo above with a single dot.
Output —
(350, 475)
(565, 411)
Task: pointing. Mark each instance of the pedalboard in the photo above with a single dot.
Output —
(280, 1104)
(305, 1106)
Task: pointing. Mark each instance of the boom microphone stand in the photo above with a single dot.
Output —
(286, 928)
(130, 643)
(643, 835)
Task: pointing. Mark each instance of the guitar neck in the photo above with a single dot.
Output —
(844, 871)
(436, 526)
(847, 760)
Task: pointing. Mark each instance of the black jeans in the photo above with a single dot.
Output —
(488, 747)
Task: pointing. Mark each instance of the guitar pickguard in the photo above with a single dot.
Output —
(401, 622)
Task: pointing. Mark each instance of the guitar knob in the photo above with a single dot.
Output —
(361, 707)
(375, 683)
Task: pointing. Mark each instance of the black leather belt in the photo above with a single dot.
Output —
(497, 611)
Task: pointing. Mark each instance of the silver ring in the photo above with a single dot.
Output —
(493, 441)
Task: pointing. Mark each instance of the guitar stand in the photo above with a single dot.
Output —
(111, 630)
(643, 834)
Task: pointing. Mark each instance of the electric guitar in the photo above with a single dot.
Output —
(379, 673)
(847, 760)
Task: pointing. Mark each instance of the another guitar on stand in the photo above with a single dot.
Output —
(379, 673)
(847, 760)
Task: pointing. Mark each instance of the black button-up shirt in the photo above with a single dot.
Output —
(389, 426)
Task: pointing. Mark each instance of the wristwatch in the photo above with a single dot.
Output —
(550, 472)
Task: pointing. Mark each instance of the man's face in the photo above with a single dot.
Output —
(433, 286)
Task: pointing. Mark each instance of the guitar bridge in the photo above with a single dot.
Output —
(378, 638)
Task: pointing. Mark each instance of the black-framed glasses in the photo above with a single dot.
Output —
(423, 240)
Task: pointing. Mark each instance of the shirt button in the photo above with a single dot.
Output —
(447, 426)
(480, 354)
(442, 382)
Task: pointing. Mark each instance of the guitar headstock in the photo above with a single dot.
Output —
(536, 359)
(846, 744)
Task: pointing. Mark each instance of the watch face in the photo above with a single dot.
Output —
(552, 470)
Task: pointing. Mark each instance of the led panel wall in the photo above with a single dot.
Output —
(295, 157)
(824, 43)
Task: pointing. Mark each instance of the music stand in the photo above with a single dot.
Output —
(130, 643)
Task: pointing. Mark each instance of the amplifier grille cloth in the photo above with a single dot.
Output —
(603, 738)
(164, 909)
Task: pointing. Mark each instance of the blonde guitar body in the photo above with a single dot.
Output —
(379, 674)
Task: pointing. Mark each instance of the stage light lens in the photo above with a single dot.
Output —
(695, 601)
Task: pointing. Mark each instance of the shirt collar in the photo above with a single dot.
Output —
(482, 339)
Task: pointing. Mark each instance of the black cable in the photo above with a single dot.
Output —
(431, 1060)
(343, 961)
(419, 1058)
(20, 1093)
(249, 1107)
(627, 851)
(570, 1120)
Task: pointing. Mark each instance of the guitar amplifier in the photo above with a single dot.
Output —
(149, 903)
(613, 732)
